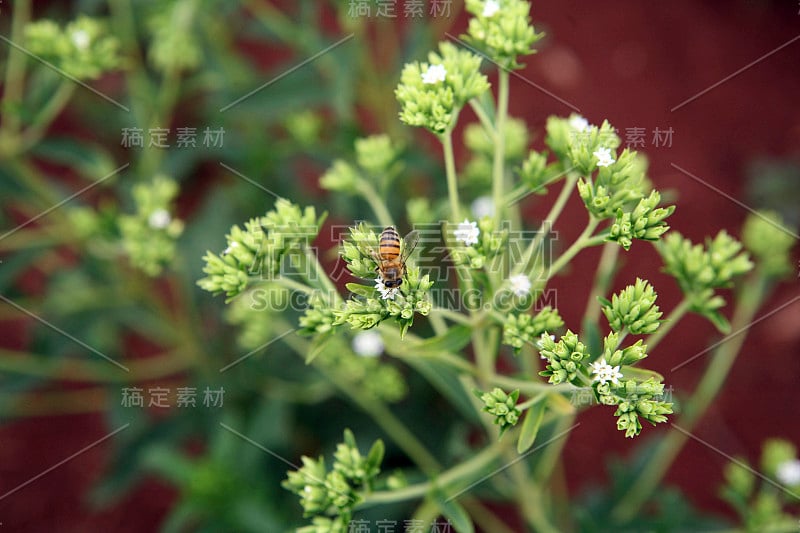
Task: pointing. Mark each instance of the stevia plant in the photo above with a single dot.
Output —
(499, 276)
(468, 374)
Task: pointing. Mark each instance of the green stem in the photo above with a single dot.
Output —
(480, 112)
(602, 280)
(583, 241)
(498, 177)
(380, 413)
(377, 205)
(451, 315)
(548, 222)
(34, 133)
(753, 293)
(670, 322)
(14, 83)
(457, 476)
(452, 181)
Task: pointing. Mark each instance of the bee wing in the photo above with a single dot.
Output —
(409, 243)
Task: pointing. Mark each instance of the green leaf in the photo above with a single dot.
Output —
(451, 342)
(361, 290)
(719, 321)
(375, 455)
(640, 374)
(87, 159)
(454, 513)
(317, 345)
(530, 427)
(445, 380)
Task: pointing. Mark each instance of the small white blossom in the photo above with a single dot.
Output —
(368, 344)
(230, 248)
(81, 39)
(604, 372)
(788, 472)
(490, 8)
(520, 285)
(468, 232)
(434, 74)
(386, 293)
(159, 219)
(483, 206)
(578, 123)
(603, 156)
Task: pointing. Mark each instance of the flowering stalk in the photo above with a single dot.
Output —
(498, 173)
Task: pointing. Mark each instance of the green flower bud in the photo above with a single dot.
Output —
(699, 270)
(536, 173)
(633, 308)
(148, 236)
(378, 156)
(341, 177)
(523, 328)
(84, 49)
(645, 222)
(304, 127)
(502, 406)
(765, 236)
(481, 144)
(568, 350)
(431, 94)
(174, 45)
(502, 30)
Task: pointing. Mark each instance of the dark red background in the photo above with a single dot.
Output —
(628, 62)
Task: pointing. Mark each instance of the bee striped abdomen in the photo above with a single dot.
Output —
(389, 248)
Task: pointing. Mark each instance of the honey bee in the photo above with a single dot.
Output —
(391, 262)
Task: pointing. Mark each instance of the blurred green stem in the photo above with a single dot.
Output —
(667, 449)
(452, 181)
(374, 407)
(460, 475)
(547, 224)
(670, 322)
(37, 129)
(369, 194)
(498, 169)
(602, 280)
(480, 112)
(14, 83)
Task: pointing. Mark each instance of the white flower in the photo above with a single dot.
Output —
(368, 344)
(468, 232)
(159, 219)
(386, 293)
(483, 206)
(603, 156)
(578, 123)
(434, 74)
(81, 39)
(230, 248)
(490, 8)
(788, 472)
(520, 285)
(604, 372)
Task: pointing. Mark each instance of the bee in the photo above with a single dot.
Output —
(391, 258)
